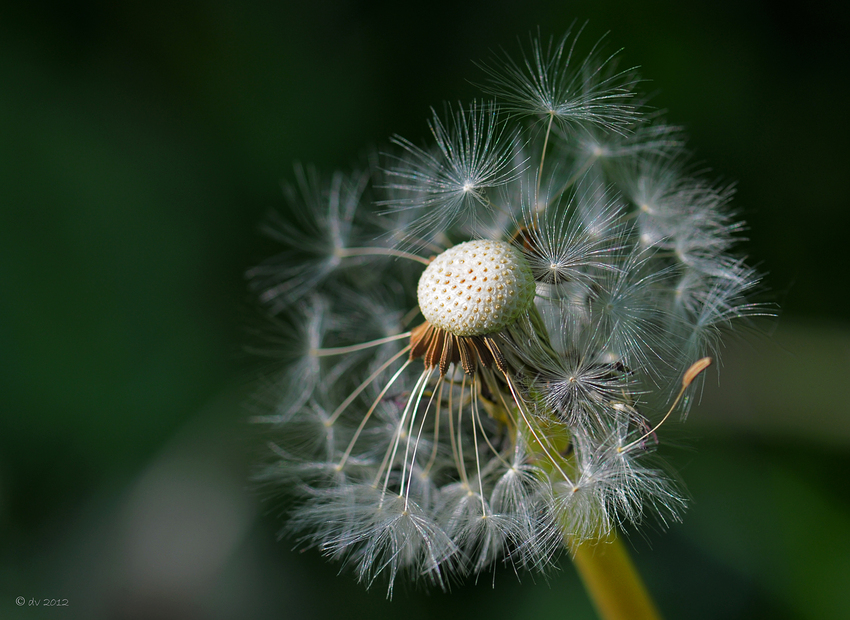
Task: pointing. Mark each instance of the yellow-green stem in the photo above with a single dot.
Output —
(612, 582)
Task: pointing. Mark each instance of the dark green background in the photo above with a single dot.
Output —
(141, 145)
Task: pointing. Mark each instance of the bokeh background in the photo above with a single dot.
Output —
(141, 143)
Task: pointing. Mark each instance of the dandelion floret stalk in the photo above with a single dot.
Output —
(482, 339)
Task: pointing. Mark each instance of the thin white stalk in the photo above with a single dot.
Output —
(342, 407)
(357, 347)
(350, 252)
(366, 417)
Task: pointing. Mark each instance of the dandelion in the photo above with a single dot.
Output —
(485, 335)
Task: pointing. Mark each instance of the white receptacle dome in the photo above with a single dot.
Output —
(476, 288)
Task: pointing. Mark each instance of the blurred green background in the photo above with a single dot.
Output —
(141, 143)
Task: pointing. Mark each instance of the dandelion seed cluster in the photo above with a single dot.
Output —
(482, 332)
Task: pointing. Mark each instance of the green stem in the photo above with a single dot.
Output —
(612, 582)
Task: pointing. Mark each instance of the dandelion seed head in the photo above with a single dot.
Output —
(481, 338)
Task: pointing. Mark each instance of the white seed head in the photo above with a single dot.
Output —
(476, 288)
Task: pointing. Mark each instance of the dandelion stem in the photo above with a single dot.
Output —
(541, 443)
(613, 583)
